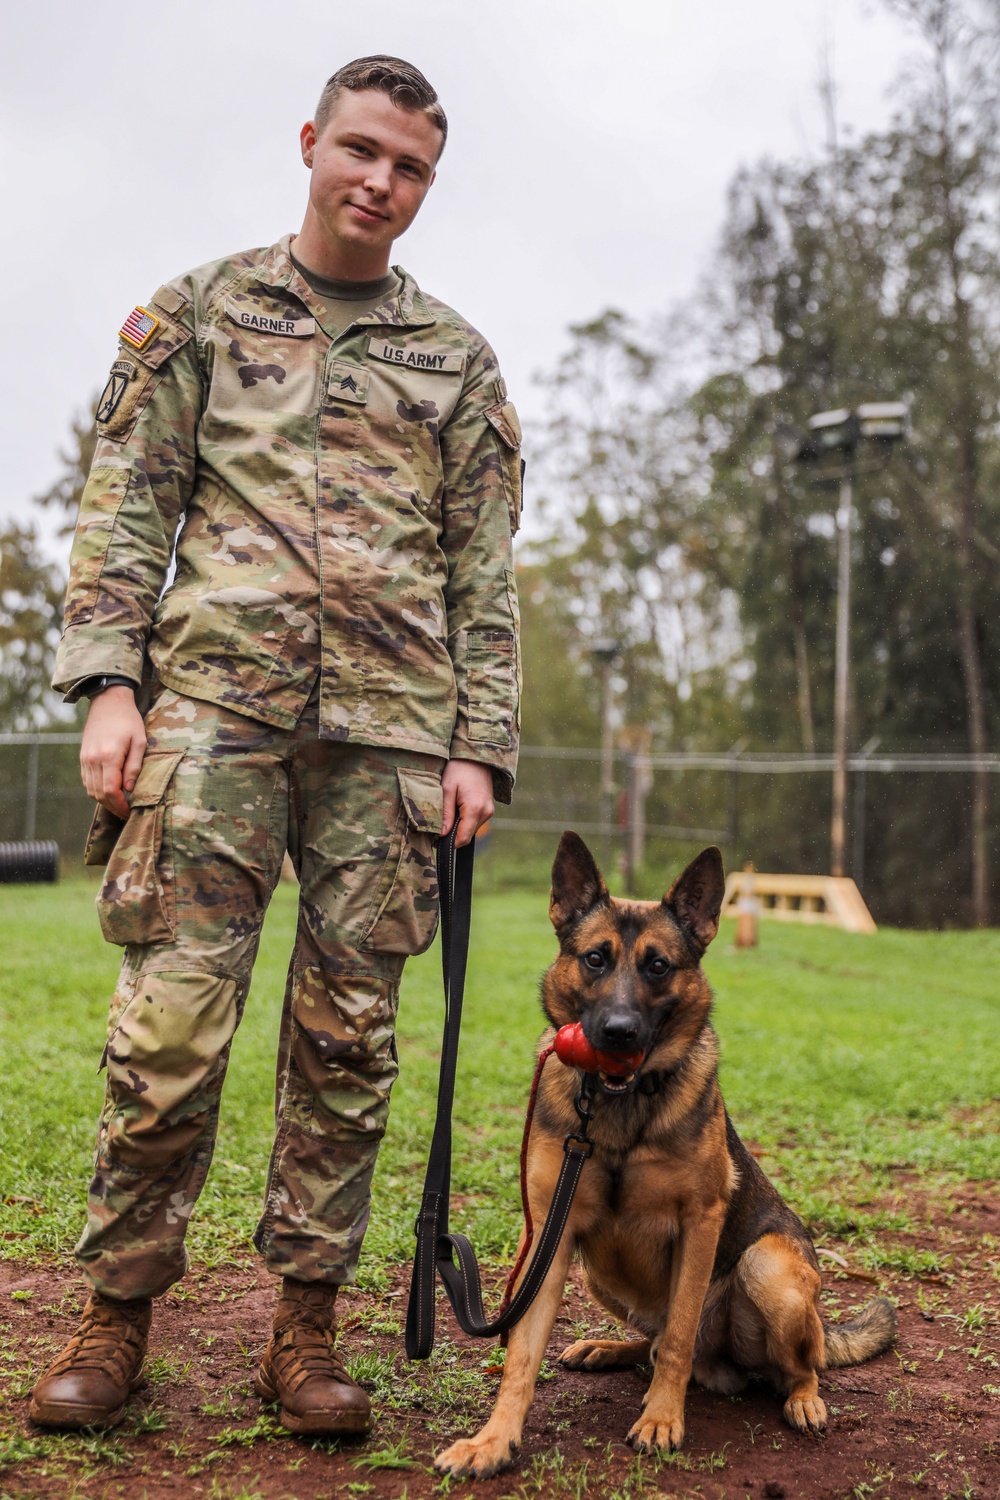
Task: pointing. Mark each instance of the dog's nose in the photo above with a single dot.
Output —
(619, 1031)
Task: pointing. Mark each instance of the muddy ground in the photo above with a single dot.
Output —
(923, 1421)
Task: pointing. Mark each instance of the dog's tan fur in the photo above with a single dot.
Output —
(681, 1235)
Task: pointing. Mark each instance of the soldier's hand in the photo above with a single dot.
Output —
(468, 795)
(114, 742)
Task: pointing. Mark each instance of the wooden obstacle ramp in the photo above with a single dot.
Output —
(826, 900)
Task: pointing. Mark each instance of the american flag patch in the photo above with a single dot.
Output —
(139, 327)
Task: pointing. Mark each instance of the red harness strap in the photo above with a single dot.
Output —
(529, 1228)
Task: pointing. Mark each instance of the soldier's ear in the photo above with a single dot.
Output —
(695, 898)
(577, 884)
(307, 142)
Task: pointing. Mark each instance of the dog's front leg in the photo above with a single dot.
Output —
(662, 1422)
(496, 1445)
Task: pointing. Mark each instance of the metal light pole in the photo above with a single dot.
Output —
(841, 433)
(605, 654)
(838, 821)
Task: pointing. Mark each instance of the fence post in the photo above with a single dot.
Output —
(635, 741)
(639, 784)
(31, 791)
(733, 796)
(860, 811)
(747, 907)
(607, 794)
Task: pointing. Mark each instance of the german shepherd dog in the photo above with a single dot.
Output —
(681, 1235)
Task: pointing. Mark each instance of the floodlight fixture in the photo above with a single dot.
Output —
(843, 431)
(884, 421)
(604, 650)
(828, 432)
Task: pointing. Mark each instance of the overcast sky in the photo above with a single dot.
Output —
(590, 145)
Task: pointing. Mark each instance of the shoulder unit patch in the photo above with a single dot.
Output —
(139, 327)
(122, 371)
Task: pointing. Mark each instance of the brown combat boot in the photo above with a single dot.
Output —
(302, 1369)
(88, 1384)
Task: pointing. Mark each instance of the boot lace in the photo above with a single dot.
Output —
(302, 1352)
(107, 1340)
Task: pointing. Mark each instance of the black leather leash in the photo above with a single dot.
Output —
(438, 1250)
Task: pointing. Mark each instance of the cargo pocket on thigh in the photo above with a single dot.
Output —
(136, 903)
(405, 913)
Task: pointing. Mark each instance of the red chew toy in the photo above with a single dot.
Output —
(573, 1049)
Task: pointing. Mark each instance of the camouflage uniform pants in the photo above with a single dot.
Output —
(218, 800)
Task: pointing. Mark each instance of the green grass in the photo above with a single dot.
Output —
(845, 1058)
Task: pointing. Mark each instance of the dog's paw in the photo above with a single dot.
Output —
(477, 1458)
(604, 1354)
(805, 1415)
(652, 1431)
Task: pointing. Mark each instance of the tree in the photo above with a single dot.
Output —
(944, 173)
(31, 593)
(625, 558)
(687, 531)
(65, 494)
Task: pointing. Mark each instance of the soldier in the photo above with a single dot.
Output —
(329, 455)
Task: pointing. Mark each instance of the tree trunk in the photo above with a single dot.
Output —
(976, 714)
(802, 682)
(968, 635)
(953, 201)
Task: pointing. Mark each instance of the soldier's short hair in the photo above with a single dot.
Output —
(405, 85)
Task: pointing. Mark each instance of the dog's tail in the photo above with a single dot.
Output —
(872, 1332)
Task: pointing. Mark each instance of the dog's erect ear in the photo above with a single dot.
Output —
(577, 884)
(695, 898)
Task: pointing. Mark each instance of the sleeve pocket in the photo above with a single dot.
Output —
(492, 685)
(504, 420)
(103, 497)
(136, 903)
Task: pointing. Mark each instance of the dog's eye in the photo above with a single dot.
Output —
(594, 959)
(658, 967)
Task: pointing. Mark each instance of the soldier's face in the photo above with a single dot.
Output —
(371, 169)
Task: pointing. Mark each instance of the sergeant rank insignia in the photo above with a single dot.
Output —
(139, 327)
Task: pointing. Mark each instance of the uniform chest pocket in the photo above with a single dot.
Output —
(409, 401)
(136, 903)
(258, 375)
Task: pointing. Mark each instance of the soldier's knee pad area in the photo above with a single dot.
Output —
(166, 1059)
(343, 1053)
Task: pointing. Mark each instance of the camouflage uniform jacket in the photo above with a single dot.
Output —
(341, 506)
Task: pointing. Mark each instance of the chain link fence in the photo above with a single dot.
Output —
(909, 842)
(41, 796)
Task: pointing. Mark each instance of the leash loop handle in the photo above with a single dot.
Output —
(438, 1251)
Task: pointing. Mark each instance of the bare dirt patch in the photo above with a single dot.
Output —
(923, 1421)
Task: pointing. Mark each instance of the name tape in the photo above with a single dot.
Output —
(260, 322)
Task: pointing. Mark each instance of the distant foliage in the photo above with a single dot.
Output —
(65, 494)
(31, 592)
(680, 524)
(31, 596)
